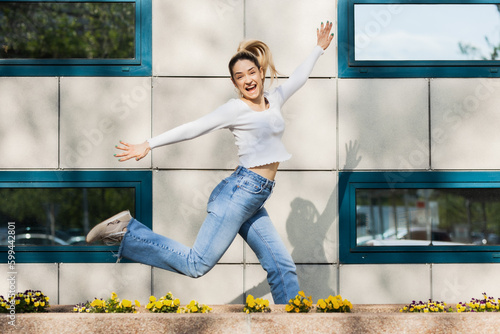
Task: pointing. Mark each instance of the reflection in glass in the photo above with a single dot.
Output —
(67, 30)
(421, 217)
(427, 32)
(58, 216)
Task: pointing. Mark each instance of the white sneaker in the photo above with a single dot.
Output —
(111, 230)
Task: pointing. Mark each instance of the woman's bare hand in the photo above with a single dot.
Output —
(324, 35)
(137, 151)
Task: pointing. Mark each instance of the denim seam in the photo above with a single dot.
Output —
(274, 258)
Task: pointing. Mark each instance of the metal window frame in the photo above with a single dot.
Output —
(350, 253)
(141, 180)
(348, 67)
(140, 65)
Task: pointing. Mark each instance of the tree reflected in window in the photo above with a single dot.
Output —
(67, 30)
(59, 216)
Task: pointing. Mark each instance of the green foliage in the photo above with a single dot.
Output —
(67, 30)
(30, 301)
(61, 209)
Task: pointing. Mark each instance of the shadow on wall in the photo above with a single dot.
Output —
(307, 232)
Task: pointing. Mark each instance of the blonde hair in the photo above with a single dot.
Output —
(257, 52)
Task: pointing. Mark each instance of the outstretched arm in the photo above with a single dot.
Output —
(301, 74)
(222, 117)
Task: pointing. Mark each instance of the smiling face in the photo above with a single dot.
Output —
(249, 79)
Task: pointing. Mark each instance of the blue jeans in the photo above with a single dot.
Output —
(235, 206)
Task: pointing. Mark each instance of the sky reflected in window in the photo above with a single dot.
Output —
(426, 32)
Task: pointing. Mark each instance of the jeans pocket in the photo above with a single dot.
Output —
(217, 190)
(251, 186)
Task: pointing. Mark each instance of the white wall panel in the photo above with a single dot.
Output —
(81, 282)
(385, 283)
(193, 37)
(98, 112)
(387, 120)
(459, 282)
(310, 134)
(222, 285)
(180, 100)
(464, 123)
(303, 208)
(31, 276)
(289, 29)
(29, 126)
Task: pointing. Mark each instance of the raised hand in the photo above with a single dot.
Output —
(324, 35)
(137, 151)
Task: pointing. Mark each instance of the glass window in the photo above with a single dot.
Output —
(426, 32)
(39, 30)
(75, 38)
(425, 217)
(419, 217)
(403, 38)
(45, 216)
(59, 216)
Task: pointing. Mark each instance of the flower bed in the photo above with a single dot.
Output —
(332, 315)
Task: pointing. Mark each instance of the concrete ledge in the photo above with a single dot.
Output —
(229, 319)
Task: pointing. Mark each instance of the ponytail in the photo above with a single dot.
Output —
(257, 52)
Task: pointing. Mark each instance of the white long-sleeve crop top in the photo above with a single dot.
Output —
(257, 133)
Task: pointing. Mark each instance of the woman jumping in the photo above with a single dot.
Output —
(236, 205)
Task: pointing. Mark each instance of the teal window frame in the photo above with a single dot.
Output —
(140, 65)
(351, 253)
(348, 67)
(140, 180)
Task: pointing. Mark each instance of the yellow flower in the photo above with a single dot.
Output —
(289, 308)
(321, 303)
(194, 309)
(302, 294)
(149, 306)
(27, 300)
(42, 304)
(47, 298)
(177, 302)
(158, 304)
(37, 304)
(126, 303)
(113, 296)
(297, 310)
(96, 303)
(137, 303)
(152, 299)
